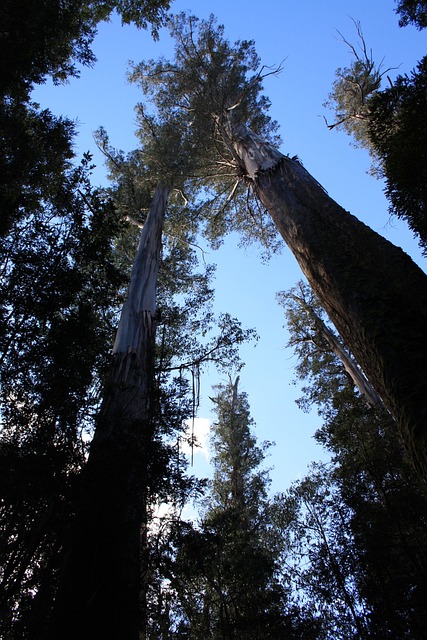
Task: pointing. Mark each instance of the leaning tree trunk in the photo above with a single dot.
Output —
(99, 595)
(373, 292)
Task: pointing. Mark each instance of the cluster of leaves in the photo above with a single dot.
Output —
(352, 89)
(320, 556)
(193, 95)
(186, 323)
(397, 133)
(412, 12)
(389, 122)
(41, 39)
(35, 156)
(58, 287)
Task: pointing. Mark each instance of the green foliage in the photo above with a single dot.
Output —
(412, 12)
(388, 122)
(398, 136)
(316, 362)
(53, 305)
(321, 556)
(185, 139)
(42, 39)
(224, 578)
(35, 155)
(352, 89)
(58, 287)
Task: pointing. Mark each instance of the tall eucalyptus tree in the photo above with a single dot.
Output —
(100, 586)
(372, 291)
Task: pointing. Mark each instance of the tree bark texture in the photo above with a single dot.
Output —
(373, 292)
(100, 590)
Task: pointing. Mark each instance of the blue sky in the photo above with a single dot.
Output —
(304, 35)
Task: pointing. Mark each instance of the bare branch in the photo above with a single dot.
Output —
(233, 191)
(258, 78)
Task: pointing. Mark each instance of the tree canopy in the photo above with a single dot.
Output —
(81, 536)
(208, 78)
(226, 572)
(388, 121)
(412, 12)
(41, 39)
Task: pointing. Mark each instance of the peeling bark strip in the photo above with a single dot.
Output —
(373, 292)
(102, 595)
(141, 297)
(365, 389)
(363, 385)
(256, 154)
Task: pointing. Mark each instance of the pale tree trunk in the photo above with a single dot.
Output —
(365, 389)
(100, 590)
(375, 295)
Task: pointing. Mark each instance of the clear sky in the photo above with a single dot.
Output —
(304, 35)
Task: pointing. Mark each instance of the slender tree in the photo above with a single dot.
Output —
(101, 588)
(322, 558)
(100, 583)
(300, 301)
(225, 573)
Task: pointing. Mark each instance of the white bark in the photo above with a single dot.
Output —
(360, 381)
(256, 154)
(140, 306)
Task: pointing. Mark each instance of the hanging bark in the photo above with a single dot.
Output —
(363, 385)
(373, 292)
(100, 590)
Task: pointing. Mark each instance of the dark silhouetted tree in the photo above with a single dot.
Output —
(225, 576)
(360, 521)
